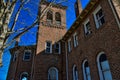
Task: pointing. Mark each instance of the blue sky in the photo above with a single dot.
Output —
(29, 37)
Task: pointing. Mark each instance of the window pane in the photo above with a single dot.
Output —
(58, 18)
(107, 75)
(88, 28)
(24, 78)
(88, 77)
(48, 44)
(27, 55)
(57, 47)
(69, 45)
(105, 65)
(87, 70)
(102, 20)
(47, 49)
(75, 73)
(52, 74)
(57, 50)
(100, 17)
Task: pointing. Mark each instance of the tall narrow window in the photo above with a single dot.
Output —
(24, 76)
(48, 47)
(53, 74)
(99, 17)
(58, 18)
(103, 67)
(87, 27)
(49, 17)
(69, 45)
(86, 70)
(75, 73)
(15, 56)
(27, 55)
(75, 37)
(57, 47)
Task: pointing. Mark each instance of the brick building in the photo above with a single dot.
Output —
(89, 50)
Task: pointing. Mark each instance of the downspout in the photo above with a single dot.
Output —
(32, 68)
(66, 60)
(115, 14)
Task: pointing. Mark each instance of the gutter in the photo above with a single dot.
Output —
(66, 60)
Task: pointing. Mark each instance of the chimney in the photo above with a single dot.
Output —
(78, 8)
(17, 41)
(116, 4)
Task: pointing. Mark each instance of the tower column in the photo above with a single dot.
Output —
(53, 18)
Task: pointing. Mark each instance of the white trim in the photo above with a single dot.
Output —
(15, 56)
(57, 75)
(98, 64)
(115, 15)
(84, 74)
(74, 72)
(84, 69)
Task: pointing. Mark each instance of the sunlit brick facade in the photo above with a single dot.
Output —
(89, 50)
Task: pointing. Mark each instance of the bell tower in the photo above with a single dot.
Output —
(52, 28)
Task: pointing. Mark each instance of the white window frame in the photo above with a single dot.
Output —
(100, 70)
(59, 47)
(24, 55)
(57, 75)
(74, 73)
(69, 45)
(84, 73)
(49, 47)
(75, 38)
(85, 27)
(95, 17)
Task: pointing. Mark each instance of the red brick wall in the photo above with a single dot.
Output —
(106, 39)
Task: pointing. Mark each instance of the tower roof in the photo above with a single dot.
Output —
(53, 4)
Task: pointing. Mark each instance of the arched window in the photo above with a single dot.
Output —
(75, 73)
(86, 70)
(103, 67)
(24, 76)
(49, 17)
(58, 18)
(53, 74)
